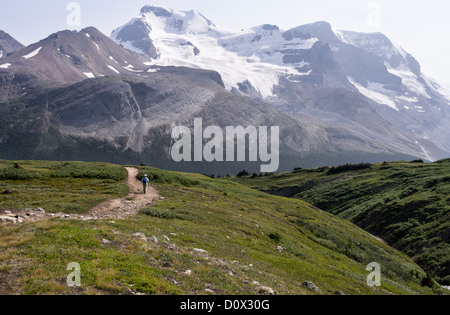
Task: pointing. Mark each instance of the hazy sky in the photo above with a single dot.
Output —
(420, 27)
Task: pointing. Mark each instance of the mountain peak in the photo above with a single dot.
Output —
(8, 44)
(181, 21)
(269, 27)
(322, 30)
(320, 24)
(70, 56)
(158, 11)
(380, 45)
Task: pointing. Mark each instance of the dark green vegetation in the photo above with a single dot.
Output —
(69, 187)
(247, 235)
(406, 204)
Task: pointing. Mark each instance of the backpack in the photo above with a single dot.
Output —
(145, 180)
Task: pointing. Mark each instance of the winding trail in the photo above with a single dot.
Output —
(113, 209)
(124, 207)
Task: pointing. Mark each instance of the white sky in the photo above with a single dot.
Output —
(420, 27)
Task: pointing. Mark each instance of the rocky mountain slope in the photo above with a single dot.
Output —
(79, 95)
(82, 95)
(65, 58)
(292, 71)
(8, 44)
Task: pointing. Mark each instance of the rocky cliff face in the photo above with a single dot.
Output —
(288, 69)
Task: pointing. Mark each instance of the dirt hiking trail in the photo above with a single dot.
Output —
(113, 209)
(130, 205)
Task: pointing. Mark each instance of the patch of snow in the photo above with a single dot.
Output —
(400, 50)
(98, 48)
(67, 56)
(33, 53)
(131, 68)
(129, 46)
(113, 69)
(410, 80)
(425, 152)
(374, 93)
(153, 70)
(339, 35)
(5, 66)
(408, 99)
(1, 54)
(90, 75)
(300, 74)
(441, 88)
(88, 35)
(111, 57)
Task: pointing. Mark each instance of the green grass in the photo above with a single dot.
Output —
(68, 187)
(241, 229)
(406, 204)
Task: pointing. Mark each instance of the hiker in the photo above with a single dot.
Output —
(145, 181)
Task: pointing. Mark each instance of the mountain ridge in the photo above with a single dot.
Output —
(325, 116)
(314, 56)
(8, 44)
(73, 89)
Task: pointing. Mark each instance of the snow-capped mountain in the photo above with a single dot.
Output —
(187, 38)
(288, 69)
(80, 96)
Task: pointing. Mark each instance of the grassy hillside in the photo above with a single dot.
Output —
(406, 204)
(232, 239)
(69, 187)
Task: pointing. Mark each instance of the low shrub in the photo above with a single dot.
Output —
(160, 213)
(348, 167)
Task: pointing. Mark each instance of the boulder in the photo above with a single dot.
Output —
(5, 218)
(266, 290)
(311, 286)
(140, 235)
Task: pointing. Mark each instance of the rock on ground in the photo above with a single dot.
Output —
(311, 286)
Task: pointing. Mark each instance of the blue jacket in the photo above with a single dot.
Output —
(145, 180)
